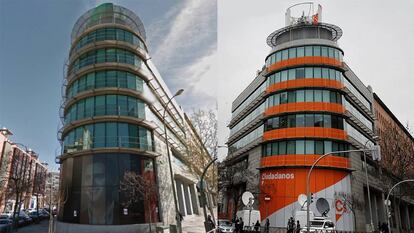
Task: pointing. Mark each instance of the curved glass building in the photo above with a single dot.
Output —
(305, 102)
(113, 122)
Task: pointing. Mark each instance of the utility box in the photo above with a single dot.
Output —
(173, 228)
(162, 229)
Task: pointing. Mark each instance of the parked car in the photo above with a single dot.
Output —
(225, 226)
(44, 214)
(6, 225)
(35, 216)
(27, 220)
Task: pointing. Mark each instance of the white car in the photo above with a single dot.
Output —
(320, 225)
(225, 226)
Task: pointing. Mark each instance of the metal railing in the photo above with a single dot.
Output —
(106, 110)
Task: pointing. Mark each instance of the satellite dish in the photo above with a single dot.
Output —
(302, 198)
(247, 198)
(323, 206)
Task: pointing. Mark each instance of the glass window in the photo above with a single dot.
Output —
(291, 147)
(308, 51)
(328, 146)
(285, 54)
(300, 120)
(325, 96)
(300, 73)
(332, 97)
(318, 120)
(276, 99)
(111, 105)
(325, 73)
(284, 76)
(308, 95)
(131, 82)
(134, 137)
(275, 123)
(81, 109)
(331, 52)
(310, 147)
(317, 72)
(100, 79)
(123, 134)
(318, 95)
(292, 53)
(283, 122)
(275, 148)
(111, 134)
(309, 120)
(300, 51)
(99, 105)
(291, 97)
(291, 121)
(122, 105)
(327, 121)
(291, 74)
(324, 52)
(300, 96)
(100, 55)
(278, 56)
(282, 148)
(283, 98)
(111, 78)
(132, 107)
(317, 51)
(268, 149)
(319, 147)
(332, 74)
(308, 72)
(300, 147)
(111, 55)
(82, 85)
(90, 81)
(89, 107)
(277, 77)
(99, 135)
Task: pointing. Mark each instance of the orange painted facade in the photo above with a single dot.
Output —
(284, 185)
(305, 132)
(304, 61)
(304, 160)
(308, 82)
(305, 106)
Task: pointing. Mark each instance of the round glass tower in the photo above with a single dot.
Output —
(105, 131)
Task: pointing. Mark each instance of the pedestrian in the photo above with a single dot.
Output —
(267, 226)
(210, 222)
(298, 227)
(237, 225)
(241, 225)
(289, 226)
(257, 226)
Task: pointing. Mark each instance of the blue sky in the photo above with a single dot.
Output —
(34, 44)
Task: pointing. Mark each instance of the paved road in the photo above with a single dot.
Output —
(42, 227)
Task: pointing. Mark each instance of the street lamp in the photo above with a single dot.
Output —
(309, 174)
(203, 193)
(177, 215)
(367, 181)
(388, 196)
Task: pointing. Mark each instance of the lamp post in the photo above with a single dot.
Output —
(367, 181)
(308, 180)
(177, 215)
(203, 193)
(388, 196)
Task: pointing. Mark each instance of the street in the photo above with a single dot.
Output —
(42, 227)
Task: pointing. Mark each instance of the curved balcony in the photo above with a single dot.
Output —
(305, 106)
(301, 83)
(305, 132)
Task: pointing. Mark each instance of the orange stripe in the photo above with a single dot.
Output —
(304, 160)
(299, 132)
(304, 61)
(305, 106)
(308, 82)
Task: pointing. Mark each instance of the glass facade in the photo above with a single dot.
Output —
(105, 55)
(109, 34)
(105, 78)
(250, 137)
(304, 95)
(303, 146)
(247, 119)
(248, 100)
(304, 120)
(107, 134)
(305, 72)
(92, 184)
(100, 105)
(304, 51)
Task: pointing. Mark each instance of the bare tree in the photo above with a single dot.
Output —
(205, 124)
(233, 179)
(139, 188)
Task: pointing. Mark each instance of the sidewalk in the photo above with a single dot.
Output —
(195, 223)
